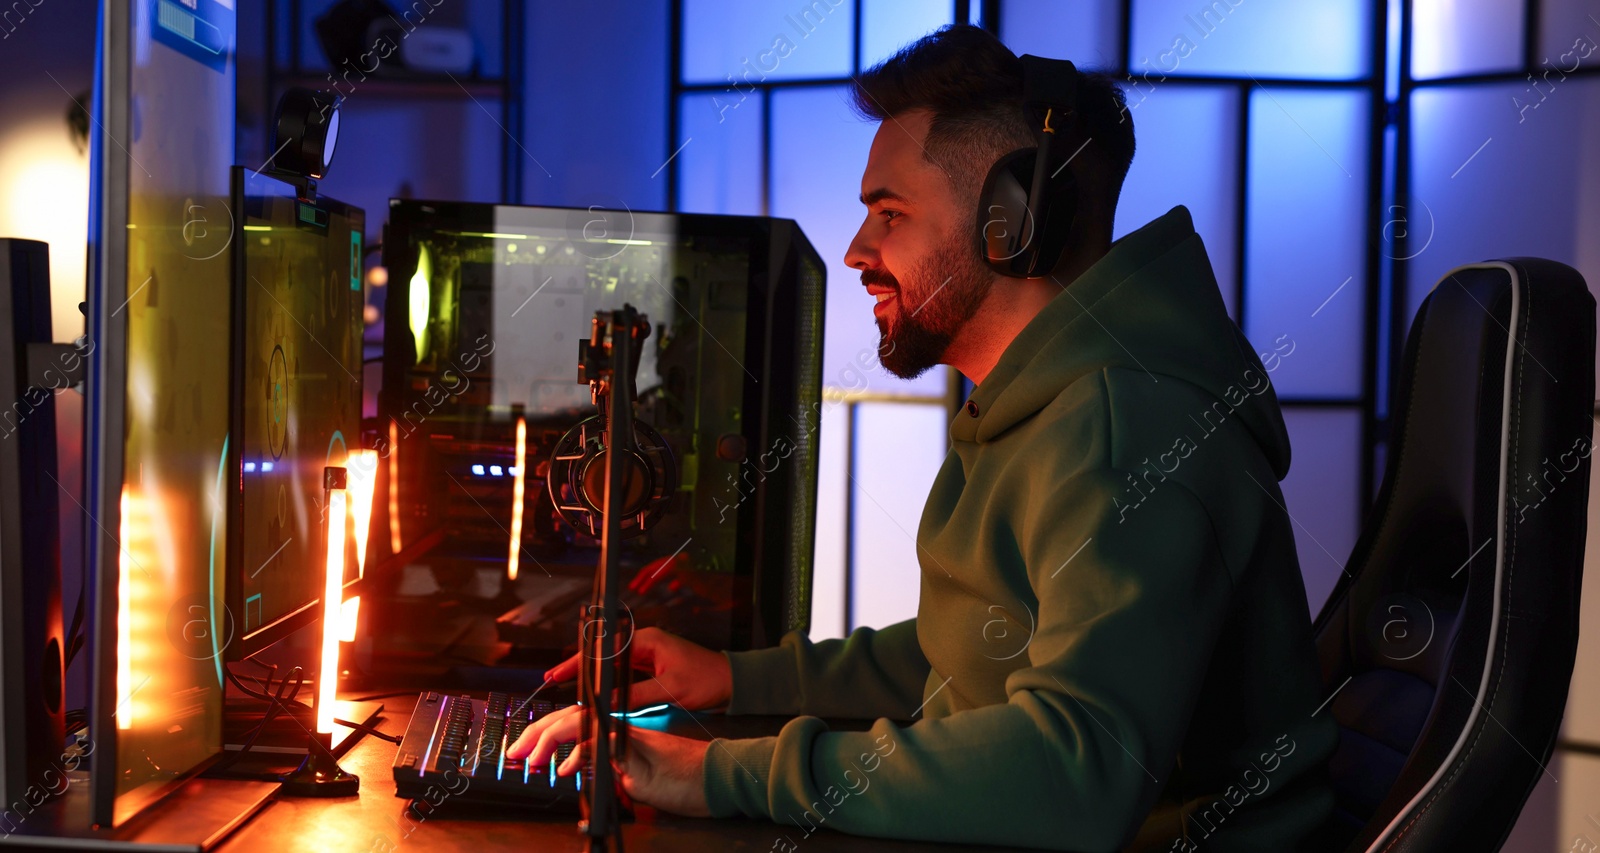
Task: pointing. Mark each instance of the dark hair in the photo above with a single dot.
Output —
(973, 86)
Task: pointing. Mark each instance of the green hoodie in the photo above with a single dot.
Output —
(1112, 647)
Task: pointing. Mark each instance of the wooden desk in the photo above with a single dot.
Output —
(376, 821)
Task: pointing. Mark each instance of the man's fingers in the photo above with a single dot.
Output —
(563, 671)
(527, 743)
(558, 733)
(573, 761)
(524, 742)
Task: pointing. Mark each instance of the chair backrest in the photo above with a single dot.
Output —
(1448, 645)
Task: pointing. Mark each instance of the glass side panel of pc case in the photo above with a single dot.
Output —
(486, 308)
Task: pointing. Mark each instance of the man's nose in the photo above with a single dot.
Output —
(863, 251)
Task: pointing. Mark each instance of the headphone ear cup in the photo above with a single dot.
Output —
(1005, 228)
(1012, 242)
(1058, 211)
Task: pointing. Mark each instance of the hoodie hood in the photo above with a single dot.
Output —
(1151, 304)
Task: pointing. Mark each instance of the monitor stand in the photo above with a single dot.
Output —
(289, 736)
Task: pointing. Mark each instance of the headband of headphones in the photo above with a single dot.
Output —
(1029, 200)
(1050, 94)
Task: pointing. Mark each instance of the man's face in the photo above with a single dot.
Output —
(916, 250)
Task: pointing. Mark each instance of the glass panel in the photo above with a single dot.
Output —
(1499, 171)
(1322, 493)
(1322, 39)
(169, 525)
(888, 25)
(497, 298)
(1451, 37)
(1187, 154)
(1569, 34)
(819, 148)
(1307, 214)
(749, 41)
(899, 448)
(301, 407)
(719, 167)
(827, 576)
(1085, 32)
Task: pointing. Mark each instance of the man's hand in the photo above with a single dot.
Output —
(692, 677)
(661, 770)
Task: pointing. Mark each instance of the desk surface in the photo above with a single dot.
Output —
(377, 821)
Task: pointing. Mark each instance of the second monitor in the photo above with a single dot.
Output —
(297, 401)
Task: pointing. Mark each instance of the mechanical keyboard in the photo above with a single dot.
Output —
(455, 749)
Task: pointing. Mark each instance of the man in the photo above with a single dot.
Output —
(1112, 647)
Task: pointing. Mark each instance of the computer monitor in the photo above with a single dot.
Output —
(296, 401)
(32, 647)
(156, 418)
(486, 307)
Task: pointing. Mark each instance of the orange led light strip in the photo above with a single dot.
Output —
(395, 542)
(328, 675)
(518, 478)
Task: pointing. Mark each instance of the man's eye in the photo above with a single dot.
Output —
(890, 215)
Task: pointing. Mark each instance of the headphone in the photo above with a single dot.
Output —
(1029, 201)
(577, 479)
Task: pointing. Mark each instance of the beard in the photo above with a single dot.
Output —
(936, 298)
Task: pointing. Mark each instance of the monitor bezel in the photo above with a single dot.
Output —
(106, 386)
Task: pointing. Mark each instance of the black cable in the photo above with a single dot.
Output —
(253, 694)
(274, 705)
(72, 650)
(271, 668)
(278, 702)
(74, 634)
(364, 729)
(266, 686)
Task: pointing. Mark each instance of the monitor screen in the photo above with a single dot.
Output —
(157, 423)
(297, 397)
(486, 307)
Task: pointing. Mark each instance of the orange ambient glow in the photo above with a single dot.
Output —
(328, 675)
(349, 617)
(124, 710)
(516, 499)
(363, 474)
(394, 488)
